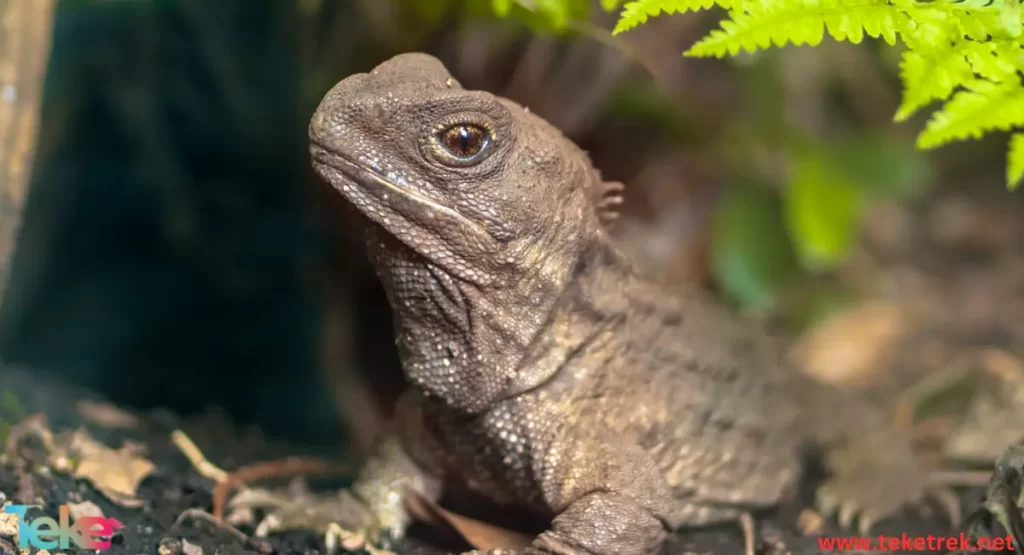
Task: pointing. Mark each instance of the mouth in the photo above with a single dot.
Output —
(330, 165)
(402, 200)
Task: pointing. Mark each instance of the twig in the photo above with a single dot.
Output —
(199, 514)
(960, 477)
(272, 469)
(202, 465)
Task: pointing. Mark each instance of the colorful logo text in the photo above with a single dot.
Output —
(46, 533)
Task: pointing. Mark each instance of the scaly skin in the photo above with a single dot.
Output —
(545, 372)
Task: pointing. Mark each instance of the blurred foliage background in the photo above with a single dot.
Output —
(177, 250)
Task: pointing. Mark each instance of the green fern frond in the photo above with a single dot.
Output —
(930, 77)
(997, 61)
(999, 19)
(637, 12)
(1015, 161)
(935, 74)
(804, 22)
(971, 113)
(968, 54)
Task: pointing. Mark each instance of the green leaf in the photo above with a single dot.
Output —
(434, 14)
(1015, 162)
(751, 256)
(877, 165)
(609, 5)
(501, 7)
(823, 210)
(559, 12)
(541, 16)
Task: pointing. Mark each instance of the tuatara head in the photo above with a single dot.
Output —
(465, 178)
(482, 210)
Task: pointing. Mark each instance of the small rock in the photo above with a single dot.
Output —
(190, 548)
(169, 546)
(8, 524)
(85, 508)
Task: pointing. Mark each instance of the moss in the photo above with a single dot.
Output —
(11, 407)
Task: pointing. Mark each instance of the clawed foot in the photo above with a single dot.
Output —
(870, 483)
(342, 520)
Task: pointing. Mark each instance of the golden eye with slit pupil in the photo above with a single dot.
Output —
(464, 141)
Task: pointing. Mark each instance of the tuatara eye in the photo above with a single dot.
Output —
(464, 141)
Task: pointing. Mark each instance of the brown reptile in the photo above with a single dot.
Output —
(544, 371)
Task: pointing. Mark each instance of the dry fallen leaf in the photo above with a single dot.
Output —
(115, 472)
(848, 349)
(480, 535)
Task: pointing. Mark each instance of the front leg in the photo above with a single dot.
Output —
(407, 459)
(373, 507)
(612, 498)
(601, 523)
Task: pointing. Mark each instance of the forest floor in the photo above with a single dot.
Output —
(157, 483)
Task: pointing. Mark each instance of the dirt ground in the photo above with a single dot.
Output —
(174, 485)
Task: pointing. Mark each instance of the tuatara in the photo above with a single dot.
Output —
(544, 371)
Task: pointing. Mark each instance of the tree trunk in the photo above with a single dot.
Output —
(25, 32)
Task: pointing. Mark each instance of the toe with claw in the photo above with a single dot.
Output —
(867, 486)
(342, 520)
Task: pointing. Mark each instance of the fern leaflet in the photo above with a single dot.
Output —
(972, 113)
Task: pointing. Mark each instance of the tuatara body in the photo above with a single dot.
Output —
(544, 371)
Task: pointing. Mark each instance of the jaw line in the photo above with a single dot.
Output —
(368, 178)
